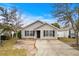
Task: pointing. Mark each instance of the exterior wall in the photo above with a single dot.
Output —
(30, 28)
(47, 27)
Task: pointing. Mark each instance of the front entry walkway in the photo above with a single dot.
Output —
(54, 48)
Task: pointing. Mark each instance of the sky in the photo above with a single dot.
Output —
(33, 11)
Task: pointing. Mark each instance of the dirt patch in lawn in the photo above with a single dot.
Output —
(28, 44)
(7, 49)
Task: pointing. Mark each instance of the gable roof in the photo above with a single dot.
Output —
(48, 25)
(40, 25)
(33, 23)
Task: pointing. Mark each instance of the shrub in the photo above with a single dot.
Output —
(19, 34)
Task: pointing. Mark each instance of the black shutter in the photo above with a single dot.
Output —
(33, 33)
(44, 33)
(25, 33)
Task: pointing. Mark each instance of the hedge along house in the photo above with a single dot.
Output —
(39, 30)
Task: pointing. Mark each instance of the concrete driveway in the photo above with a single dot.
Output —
(54, 48)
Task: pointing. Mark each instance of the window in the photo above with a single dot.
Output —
(45, 33)
(26, 33)
(49, 33)
(32, 33)
(29, 33)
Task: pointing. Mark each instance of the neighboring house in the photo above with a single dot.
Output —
(63, 33)
(66, 32)
(39, 30)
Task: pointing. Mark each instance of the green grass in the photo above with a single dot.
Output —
(7, 49)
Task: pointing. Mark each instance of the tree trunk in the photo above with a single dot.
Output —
(1, 41)
(16, 35)
(76, 34)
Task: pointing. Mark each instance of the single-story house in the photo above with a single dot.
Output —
(39, 30)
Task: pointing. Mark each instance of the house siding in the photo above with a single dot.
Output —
(48, 28)
(30, 28)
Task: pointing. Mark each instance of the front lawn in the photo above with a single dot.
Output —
(70, 41)
(8, 50)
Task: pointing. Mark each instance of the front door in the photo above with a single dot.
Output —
(38, 34)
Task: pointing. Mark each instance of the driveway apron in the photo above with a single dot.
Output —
(54, 48)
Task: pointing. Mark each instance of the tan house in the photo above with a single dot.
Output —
(39, 30)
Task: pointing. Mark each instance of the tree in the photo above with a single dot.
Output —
(67, 14)
(17, 23)
(5, 21)
(5, 25)
(56, 25)
(11, 20)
